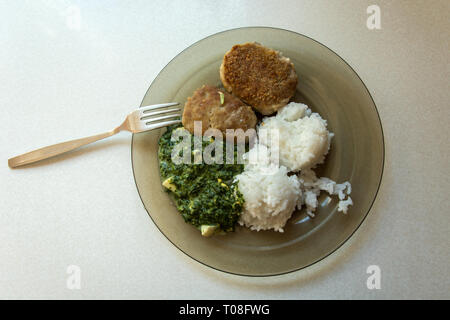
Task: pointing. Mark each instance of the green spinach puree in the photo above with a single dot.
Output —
(204, 194)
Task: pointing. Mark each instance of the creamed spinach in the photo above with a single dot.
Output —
(206, 195)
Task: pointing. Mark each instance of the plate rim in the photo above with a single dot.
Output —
(365, 215)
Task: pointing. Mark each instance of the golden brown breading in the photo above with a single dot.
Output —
(259, 76)
(205, 105)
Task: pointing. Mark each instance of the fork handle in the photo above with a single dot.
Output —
(56, 149)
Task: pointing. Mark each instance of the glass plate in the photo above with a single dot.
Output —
(330, 87)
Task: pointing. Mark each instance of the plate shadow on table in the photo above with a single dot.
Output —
(307, 275)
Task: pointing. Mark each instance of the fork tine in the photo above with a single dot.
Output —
(153, 120)
(151, 125)
(158, 106)
(154, 113)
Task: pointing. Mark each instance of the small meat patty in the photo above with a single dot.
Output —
(259, 76)
(216, 108)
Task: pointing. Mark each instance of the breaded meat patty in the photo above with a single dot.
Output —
(216, 108)
(259, 76)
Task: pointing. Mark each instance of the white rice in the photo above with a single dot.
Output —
(293, 111)
(311, 186)
(304, 138)
(270, 194)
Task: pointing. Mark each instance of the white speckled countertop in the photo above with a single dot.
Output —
(75, 68)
